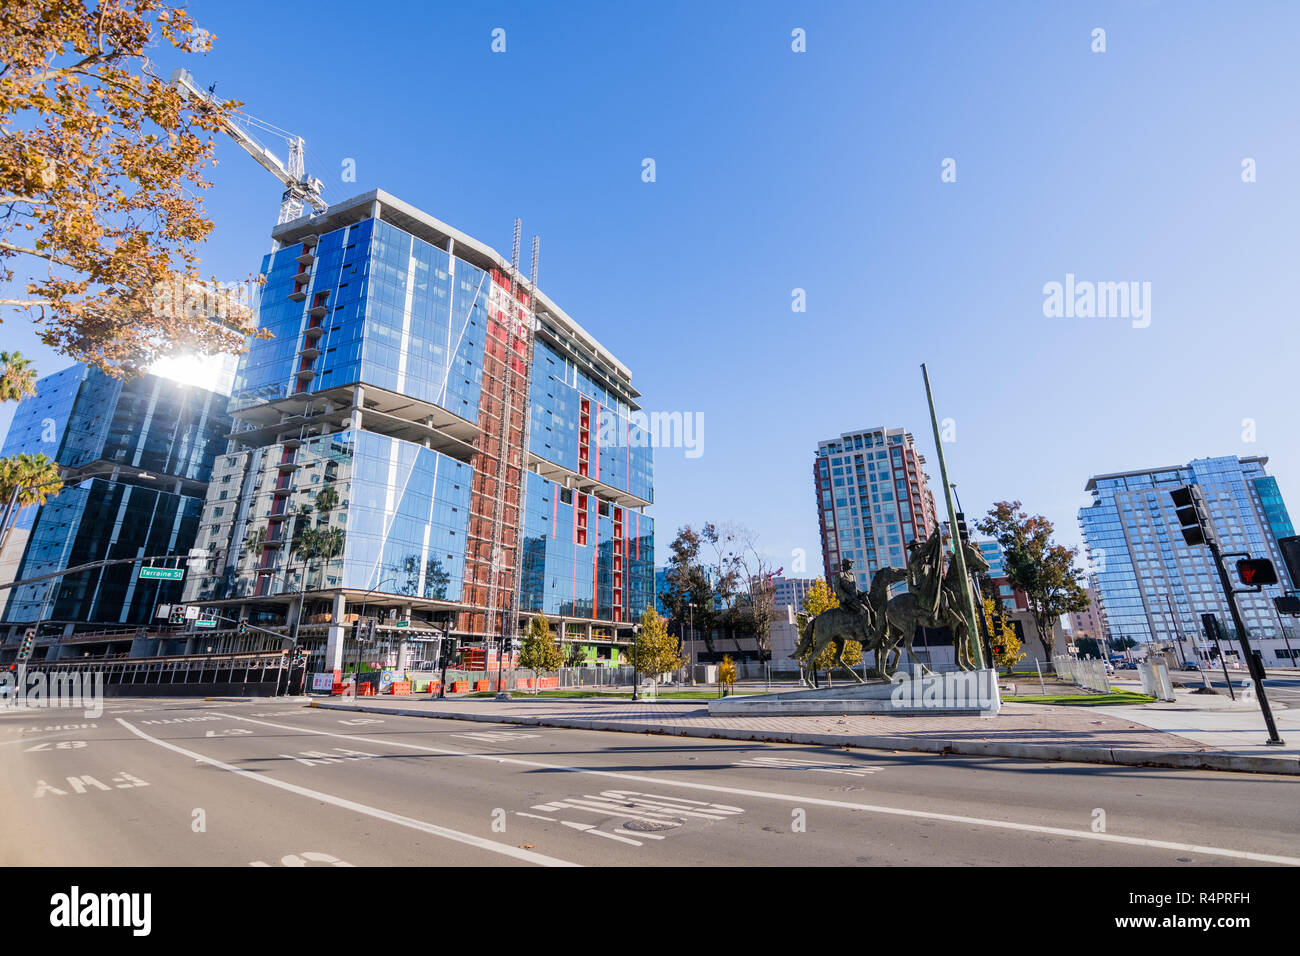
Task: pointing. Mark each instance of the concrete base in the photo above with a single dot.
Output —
(958, 694)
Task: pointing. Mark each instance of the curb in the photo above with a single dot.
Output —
(1209, 760)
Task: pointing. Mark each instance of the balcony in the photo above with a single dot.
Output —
(299, 293)
(310, 352)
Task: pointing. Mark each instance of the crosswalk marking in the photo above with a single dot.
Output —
(495, 736)
(788, 763)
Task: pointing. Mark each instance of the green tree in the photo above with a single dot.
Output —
(18, 379)
(655, 651)
(25, 479)
(690, 581)
(1087, 647)
(540, 650)
(1036, 565)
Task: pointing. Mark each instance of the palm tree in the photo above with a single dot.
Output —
(25, 480)
(18, 379)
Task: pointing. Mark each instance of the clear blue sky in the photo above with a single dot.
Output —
(821, 170)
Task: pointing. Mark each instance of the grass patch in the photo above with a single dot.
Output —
(1084, 700)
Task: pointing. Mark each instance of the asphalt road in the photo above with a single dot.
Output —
(274, 783)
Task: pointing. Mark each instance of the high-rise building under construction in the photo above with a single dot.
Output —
(425, 438)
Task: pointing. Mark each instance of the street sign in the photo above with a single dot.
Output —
(162, 574)
(401, 624)
(205, 623)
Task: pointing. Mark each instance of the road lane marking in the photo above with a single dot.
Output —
(787, 763)
(590, 830)
(432, 828)
(495, 737)
(803, 800)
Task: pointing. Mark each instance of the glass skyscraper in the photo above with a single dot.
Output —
(872, 499)
(426, 438)
(1152, 584)
(149, 444)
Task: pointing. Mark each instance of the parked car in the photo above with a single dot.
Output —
(1192, 666)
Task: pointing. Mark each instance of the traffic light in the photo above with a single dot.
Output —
(243, 627)
(963, 536)
(1291, 558)
(177, 615)
(1256, 571)
(29, 640)
(1191, 520)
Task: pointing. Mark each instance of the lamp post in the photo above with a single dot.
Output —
(690, 605)
(356, 675)
(636, 644)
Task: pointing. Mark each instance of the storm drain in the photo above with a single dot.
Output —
(649, 826)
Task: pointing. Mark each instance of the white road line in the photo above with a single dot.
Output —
(432, 828)
(590, 830)
(803, 800)
(534, 816)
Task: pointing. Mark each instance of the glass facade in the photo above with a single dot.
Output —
(391, 310)
(400, 511)
(618, 451)
(87, 420)
(394, 316)
(568, 572)
(1152, 584)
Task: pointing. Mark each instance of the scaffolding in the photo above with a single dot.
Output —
(496, 505)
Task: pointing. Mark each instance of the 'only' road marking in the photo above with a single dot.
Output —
(468, 838)
(804, 800)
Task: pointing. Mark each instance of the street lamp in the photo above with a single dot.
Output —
(691, 612)
(636, 645)
(356, 675)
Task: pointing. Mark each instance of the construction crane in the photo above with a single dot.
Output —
(299, 187)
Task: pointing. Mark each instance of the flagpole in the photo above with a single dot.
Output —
(959, 553)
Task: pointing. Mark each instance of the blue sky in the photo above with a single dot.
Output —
(821, 170)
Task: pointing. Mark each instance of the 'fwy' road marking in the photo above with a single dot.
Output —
(805, 800)
(483, 844)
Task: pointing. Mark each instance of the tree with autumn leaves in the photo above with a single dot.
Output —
(101, 177)
(1036, 565)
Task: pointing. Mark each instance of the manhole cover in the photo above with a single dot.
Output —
(648, 826)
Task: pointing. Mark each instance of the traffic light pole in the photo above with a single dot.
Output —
(1254, 666)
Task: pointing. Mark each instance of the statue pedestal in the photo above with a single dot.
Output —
(960, 693)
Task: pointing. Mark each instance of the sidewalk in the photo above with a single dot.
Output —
(1033, 731)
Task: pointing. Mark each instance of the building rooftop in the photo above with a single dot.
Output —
(581, 345)
(1260, 460)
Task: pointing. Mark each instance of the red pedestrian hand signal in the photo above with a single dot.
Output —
(1256, 572)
